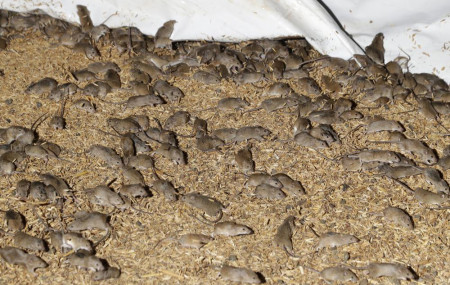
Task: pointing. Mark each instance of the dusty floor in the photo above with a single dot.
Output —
(328, 205)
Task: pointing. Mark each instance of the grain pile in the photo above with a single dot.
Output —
(318, 164)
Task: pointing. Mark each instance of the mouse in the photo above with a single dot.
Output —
(83, 260)
(108, 273)
(239, 274)
(171, 152)
(266, 191)
(290, 186)
(210, 206)
(15, 221)
(84, 105)
(28, 242)
(283, 236)
(128, 148)
(397, 172)
(243, 159)
(158, 134)
(162, 36)
(230, 228)
(91, 220)
(207, 143)
(229, 104)
(394, 270)
(103, 195)
(164, 187)
(58, 122)
(102, 67)
(134, 190)
(384, 125)
(414, 147)
(430, 198)
(97, 89)
(124, 126)
(37, 191)
(206, 78)
(7, 167)
(433, 177)
(138, 101)
(375, 155)
(176, 120)
(300, 125)
(132, 176)
(248, 77)
(225, 134)
(106, 154)
(22, 189)
(62, 188)
(168, 92)
(278, 89)
(83, 75)
(88, 49)
(375, 51)
(306, 140)
(333, 239)
(112, 77)
(17, 256)
(335, 273)
(351, 115)
(227, 228)
(43, 86)
(196, 241)
(257, 179)
(137, 75)
(325, 133)
(68, 241)
(251, 132)
(141, 162)
(398, 217)
(424, 196)
(63, 91)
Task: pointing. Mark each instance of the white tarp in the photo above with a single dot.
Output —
(421, 29)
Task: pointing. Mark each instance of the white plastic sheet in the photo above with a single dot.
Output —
(421, 29)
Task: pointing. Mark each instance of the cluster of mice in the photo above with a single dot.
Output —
(262, 61)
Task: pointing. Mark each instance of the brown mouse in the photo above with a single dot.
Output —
(173, 153)
(335, 273)
(29, 242)
(109, 273)
(91, 220)
(17, 256)
(244, 160)
(239, 274)
(266, 191)
(290, 186)
(85, 261)
(106, 154)
(164, 187)
(333, 239)
(210, 206)
(162, 36)
(251, 132)
(104, 196)
(398, 217)
(196, 241)
(283, 236)
(14, 220)
(394, 270)
(45, 85)
(257, 179)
